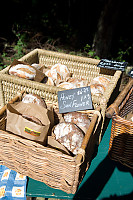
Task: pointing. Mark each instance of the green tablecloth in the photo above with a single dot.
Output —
(105, 179)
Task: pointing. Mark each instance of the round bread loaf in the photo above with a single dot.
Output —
(62, 69)
(101, 80)
(33, 98)
(23, 71)
(78, 82)
(66, 85)
(97, 89)
(78, 118)
(69, 135)
(52, 74)
(50, 81)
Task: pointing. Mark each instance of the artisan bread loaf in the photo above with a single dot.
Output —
(62, 69)
(78, 82)
(23, 71)
(101, 80)
(97, 89)
(78, 118)
(58, 73)
(66, 85)
(33, 98)
(69, 135)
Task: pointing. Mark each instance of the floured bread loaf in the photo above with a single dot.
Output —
(66, 85)
(33, 98)
(50, 81)
(58, 72)
(53, 74)
(23, 71)
(101, 80)
(97, 89)
(78, 118)
(78, 82)
(69, 135)
(62, 69)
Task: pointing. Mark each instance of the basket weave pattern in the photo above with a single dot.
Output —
(121, 140)
(80, 67)
(42, 163)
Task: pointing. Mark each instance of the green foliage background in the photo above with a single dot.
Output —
(66, 26)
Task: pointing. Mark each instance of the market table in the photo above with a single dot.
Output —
(105, 179)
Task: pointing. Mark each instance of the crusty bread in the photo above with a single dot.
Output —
(78, 118)
(33, 98)
(23, 71)
(69, 135)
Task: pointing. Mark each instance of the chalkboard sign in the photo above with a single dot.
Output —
(130, 73)
(75, 100)
(111, 64)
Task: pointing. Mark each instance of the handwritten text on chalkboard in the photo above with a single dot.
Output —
(75, 100)
(111, 64)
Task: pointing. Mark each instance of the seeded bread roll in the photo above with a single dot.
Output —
(33, 98)
(69, 135)
(78, 118)
(23, 71)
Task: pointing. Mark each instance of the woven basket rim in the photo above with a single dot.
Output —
(121, 120)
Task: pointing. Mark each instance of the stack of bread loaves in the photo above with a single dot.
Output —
(60, 76)
(71, 132)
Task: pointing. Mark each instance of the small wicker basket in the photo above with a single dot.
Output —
(121, 140)
(80, 67)
(42, 163)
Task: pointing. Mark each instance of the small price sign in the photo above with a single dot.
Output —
(130, 73)
(111, 64)
(75, 100)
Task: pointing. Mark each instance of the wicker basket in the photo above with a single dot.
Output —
(80, 67)
(45, 164)
(121, 140)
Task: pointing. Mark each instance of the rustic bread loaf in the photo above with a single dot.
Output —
(101, 80)
(23, 71)
(69, 135)
(33, 98)
(78, 118)
(66, 85)
(78, 82)
(97, 89)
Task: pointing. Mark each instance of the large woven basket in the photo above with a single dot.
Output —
(45, 164)
(80, 67)
(121, 140)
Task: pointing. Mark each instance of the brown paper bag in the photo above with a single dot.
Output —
(25, 128)
(55, 144)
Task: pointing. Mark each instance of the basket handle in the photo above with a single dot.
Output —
(114, 108)
(87, 136)
(3, 109)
